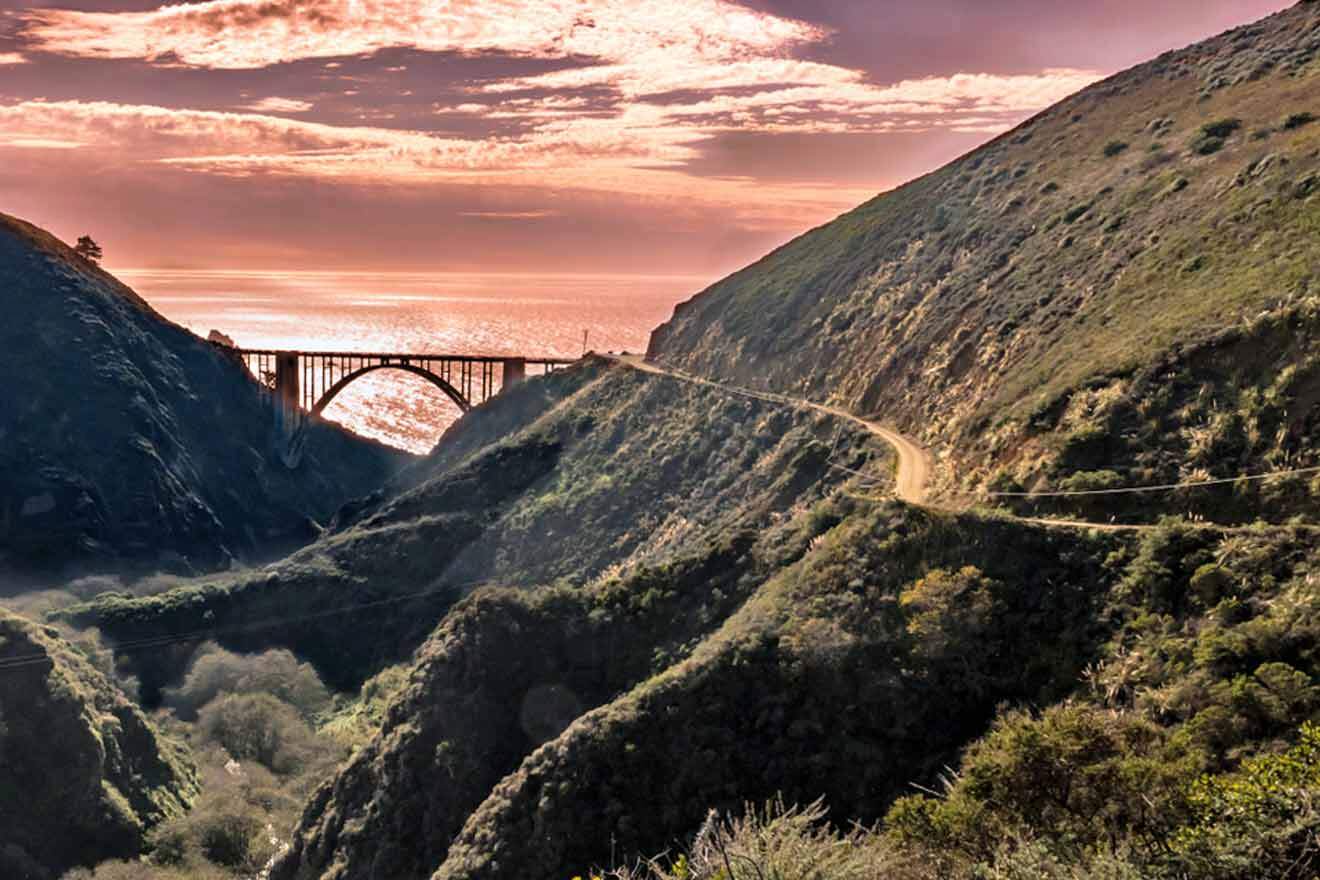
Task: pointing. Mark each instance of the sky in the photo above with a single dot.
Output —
(636, 136)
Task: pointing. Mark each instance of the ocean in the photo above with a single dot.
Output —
(448, 313)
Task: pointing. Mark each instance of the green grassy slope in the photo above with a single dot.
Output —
(83, 774)
(612, 470)
(1149, 213)
(737, 672)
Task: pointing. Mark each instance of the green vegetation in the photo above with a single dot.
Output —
(1297, 120)
(1104, 270)
(259, 758)
(83, 774)
(480, 511)
(1213, 135)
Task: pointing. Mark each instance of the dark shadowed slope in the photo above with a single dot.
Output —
(1122, 291)
(126, 439)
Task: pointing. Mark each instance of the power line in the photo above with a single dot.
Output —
(1166, 487)
(771, 397)
(164, 640)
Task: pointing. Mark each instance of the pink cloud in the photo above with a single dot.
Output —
(637, 154)
(279, 105)
(259, 33)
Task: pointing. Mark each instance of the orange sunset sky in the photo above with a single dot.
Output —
(520, 135)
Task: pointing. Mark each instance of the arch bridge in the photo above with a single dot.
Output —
(307, 381)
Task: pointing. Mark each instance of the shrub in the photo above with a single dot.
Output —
(1075, 213)
(231, 838)
(261, 728)
(1211, 583)
(950, 613)
(773, 842)
(1297, 120)
(216, 671)
(1114, 148)
(1078, 777)
(1092, 481)
(1085, 449)
(1261, 821)
(1221, 128)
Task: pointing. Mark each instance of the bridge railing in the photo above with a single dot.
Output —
(309, 380)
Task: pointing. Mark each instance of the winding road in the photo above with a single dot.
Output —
(912, 478)
(914, 461)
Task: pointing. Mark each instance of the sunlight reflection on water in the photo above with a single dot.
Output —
(451, 313)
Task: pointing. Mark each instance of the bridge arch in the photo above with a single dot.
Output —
(349, 378)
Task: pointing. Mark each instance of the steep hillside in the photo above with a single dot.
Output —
(629, 599)
(610, 470)
(1131, 275)
(129, 441)
(83, 775)
(693, 686)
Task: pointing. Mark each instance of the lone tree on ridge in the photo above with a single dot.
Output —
(88, 249)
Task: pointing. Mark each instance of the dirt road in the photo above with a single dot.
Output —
(913, 461)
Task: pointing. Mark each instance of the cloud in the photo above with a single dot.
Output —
(646, 84)
(637, 155)
(508, 215)
(279, 105)
(9, 58)
(643, 89)
(260, 33)
(37, 143)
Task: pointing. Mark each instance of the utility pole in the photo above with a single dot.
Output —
(584, 342)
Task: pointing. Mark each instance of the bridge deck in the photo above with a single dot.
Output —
(411, 355)
(310, 380)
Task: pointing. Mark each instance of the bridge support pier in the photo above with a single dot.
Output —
(288, 439)
(515, 370)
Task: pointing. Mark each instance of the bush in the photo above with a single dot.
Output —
(231, 838)
(1221, 128)
(951, 614)
(1298, 120)
(216, 671)
(774, 842)
(1078, 778)
(1261, 821)
(1114, 148)
(261, 728)
(224, 829)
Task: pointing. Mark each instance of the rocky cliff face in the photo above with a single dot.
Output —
(127, 441)
(1025, 294)
(83, 774)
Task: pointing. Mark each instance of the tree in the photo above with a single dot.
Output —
(88, 249)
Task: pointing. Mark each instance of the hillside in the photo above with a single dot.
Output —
(590, 472)
(1122, 291)
(640, 614)
(83, 774)
(129, 442)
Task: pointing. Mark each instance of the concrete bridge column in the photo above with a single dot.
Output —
(287, 381)
(289, 437)
(515, 370)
